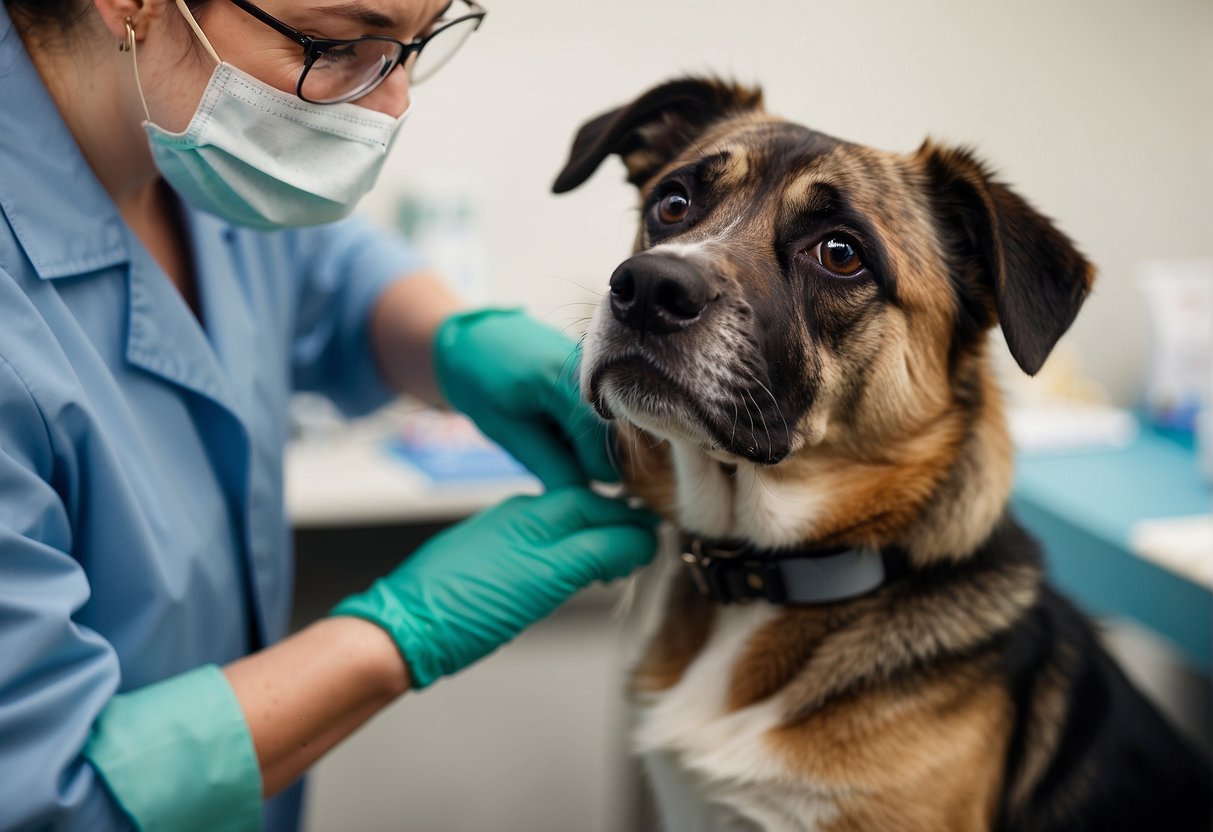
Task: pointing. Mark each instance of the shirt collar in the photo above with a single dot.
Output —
(60, 213)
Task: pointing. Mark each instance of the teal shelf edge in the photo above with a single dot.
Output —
(1106, 579)
(1108, 492)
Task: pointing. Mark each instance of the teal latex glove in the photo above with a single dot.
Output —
(517, 380)
(478, 584)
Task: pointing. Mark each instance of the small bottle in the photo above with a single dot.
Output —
(1179, 299)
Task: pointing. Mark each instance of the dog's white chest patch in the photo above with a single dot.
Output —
(713, 770)
(764, 511)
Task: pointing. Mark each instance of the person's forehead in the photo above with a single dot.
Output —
(387, 15)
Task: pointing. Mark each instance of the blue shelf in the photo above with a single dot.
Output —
(1083, 506)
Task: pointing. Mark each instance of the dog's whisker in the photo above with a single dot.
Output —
(773, 494)
(753, 427)
(733, 433)
(579, 322)
(761, 420)
(634, 438)
(634, 442)
(552, 313)
(775, 403)
(595, 292)
(564, 367)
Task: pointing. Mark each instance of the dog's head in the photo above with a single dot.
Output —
(791, 291)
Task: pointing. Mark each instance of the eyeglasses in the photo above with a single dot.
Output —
(342, 70)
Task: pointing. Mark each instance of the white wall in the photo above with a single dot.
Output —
(1100, 112)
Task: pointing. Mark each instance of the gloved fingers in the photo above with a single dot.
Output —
(566, 511)
(542, 451)
(592, 453)
(606, 553)
(506, 370)
(581, 424)
(556, 393)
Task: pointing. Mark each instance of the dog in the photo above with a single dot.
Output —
(795, 361)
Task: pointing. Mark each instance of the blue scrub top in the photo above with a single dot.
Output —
(142, 530)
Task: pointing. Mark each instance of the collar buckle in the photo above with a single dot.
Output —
(730, 577)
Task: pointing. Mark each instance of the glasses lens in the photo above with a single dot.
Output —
(349, 70)
(440, 48)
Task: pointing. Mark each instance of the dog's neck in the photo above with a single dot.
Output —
(938, 492)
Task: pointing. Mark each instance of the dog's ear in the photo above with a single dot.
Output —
(1006, 249)
(649, 131)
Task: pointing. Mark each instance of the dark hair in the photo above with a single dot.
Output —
(63, 15)
(41, 14)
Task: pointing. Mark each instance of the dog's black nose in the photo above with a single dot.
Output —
(657, 294)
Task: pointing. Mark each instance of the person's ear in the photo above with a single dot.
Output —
(648, 132)
(142, 14)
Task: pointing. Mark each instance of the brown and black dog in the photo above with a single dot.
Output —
(796, 362)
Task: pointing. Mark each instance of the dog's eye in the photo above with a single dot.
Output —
(673, 207)
(840, 255)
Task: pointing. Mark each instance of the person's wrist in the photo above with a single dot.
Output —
(403, 325)
(376, 661)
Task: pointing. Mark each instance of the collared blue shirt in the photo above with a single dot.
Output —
(142, 528)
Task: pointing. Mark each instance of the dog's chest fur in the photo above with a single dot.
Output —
(709, 767)
(744, 505)
(718, 762)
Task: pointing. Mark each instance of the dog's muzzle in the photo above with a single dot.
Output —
(677, 353)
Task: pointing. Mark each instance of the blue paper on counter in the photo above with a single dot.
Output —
(458, 463)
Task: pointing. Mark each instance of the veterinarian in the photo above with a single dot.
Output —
(174, 260)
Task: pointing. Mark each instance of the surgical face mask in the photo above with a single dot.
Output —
(263, 158)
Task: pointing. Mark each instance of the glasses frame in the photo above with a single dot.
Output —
(314, 48)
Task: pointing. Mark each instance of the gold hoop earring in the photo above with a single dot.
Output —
(128, 45)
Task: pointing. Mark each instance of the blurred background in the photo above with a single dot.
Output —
(1100, 113)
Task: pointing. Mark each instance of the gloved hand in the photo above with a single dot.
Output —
(478, 584)
(517, 380)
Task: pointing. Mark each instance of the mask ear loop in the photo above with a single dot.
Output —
(189, 18)
(128, 45)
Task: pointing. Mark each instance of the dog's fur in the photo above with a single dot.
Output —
(793, 405)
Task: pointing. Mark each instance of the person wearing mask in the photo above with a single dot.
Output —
(175, 259)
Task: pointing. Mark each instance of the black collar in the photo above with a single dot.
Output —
(732, 572)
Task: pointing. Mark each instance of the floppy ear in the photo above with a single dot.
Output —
(649, 131)
(1007, 249)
